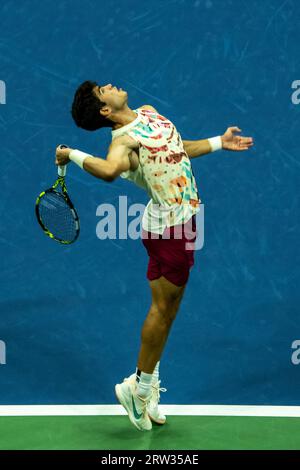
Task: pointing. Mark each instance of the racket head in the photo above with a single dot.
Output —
(57, 216)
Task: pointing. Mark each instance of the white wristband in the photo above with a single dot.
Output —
(78, 157)
(215, 143)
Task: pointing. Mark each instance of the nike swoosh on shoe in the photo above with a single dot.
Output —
(135, 412)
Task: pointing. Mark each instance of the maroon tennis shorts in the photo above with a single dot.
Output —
(171, 254)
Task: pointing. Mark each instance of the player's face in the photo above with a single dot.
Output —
(114, 97)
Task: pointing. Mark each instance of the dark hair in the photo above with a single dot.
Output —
(86, 107)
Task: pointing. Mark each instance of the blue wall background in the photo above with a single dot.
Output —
(71, 316)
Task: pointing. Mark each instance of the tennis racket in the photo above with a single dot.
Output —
(55, 212)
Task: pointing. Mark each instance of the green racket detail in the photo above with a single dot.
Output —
(55, 212)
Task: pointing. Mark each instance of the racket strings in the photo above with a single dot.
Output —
(57, 216)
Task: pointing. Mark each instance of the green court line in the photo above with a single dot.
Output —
(179, 433)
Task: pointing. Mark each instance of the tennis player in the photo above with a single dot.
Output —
(147, 149)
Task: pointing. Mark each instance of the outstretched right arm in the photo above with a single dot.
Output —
(117, 160)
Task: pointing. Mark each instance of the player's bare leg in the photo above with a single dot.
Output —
(166, 298)
(137, 396)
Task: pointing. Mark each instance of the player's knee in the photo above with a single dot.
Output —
(161, 307)
(166, 309)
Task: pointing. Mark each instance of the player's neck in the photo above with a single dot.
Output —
(123, 117)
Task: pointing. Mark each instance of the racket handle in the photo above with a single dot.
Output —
(62, 169)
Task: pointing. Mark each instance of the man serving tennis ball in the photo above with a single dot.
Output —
(147, 150)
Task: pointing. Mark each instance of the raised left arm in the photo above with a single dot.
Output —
(229, 141)
(196, 148)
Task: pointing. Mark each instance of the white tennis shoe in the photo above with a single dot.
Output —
(154, 411)
(135, 406)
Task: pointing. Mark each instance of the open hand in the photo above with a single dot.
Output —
(230, 141)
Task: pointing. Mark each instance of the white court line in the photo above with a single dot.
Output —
(175, 410)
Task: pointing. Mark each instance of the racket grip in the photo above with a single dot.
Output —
(62, 169)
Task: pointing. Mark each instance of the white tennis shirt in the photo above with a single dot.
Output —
(164, 171)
